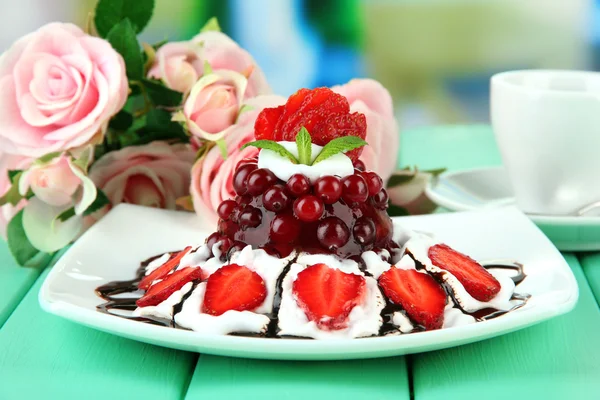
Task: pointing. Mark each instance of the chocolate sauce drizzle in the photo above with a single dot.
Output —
(114, 302)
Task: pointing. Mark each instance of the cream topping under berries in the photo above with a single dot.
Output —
(338, 164)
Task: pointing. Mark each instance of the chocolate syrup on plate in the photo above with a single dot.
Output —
(122, 306)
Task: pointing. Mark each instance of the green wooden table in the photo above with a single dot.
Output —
(45, 357)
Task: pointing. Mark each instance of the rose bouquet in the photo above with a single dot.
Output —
(93, 118)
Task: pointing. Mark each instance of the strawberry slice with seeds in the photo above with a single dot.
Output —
(164, 269)
(161, 291)
(233, 287)
(266, 121)
(328, 295)
(477, 281)
(419, 294)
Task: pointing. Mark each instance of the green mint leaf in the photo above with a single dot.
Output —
(12, 174)
(12, 195)
(100, 201)
(19, 245)
(111, 12)
(304, 145)
(211, 25)
(122, 39)
(339, 145)
(161, 95)
(223, 148)
(207, 68)
(273, 146)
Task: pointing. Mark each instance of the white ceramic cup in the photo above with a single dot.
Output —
(547, 125)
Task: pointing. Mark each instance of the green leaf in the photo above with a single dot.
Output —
(273, 146)
(19, 245)
(65, 215)
(111, 12)
(46, 158)
(161, 95)
(339, 145)
(397, 180)
(121, 121)
(100, 201)
(12, 195)
(435, 172)
(122, 39)
(397, 211)
(223, 148)
(304, 145)
(211, 25)
(12, 174)
(207, 68)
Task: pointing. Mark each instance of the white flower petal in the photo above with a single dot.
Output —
(88, 192)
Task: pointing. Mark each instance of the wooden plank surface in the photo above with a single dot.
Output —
(235, 378)
(14, 282)
(43, 356)
(557, 359)
(591, 267)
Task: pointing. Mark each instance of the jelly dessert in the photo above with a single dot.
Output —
(306, 248)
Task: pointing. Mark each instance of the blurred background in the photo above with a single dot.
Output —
(435, 56)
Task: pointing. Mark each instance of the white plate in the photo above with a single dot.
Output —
(487, 188)
(113, 248)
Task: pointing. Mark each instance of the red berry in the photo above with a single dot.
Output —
(245, 161)
(227, 228)
(266, 121)
(308, 208)
(276, 199)
(226, 208)
(212, 240)
(235, 247)
(328, 188)
(250, 217)
(418, 293)
(243, 201)
(374, 182)
(380, 200)
(233, 287)
(328, 295)
(260, 180)
(332, 233)
(298, 185)
(354, 189)
(478, 282)
(359, 165)
(163, 270)
(364, 231)
(161, 291)
(284, 228)
(240, 178)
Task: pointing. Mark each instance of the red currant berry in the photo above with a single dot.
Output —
(235, 247)
(243, 201)
(332, 233)
(359, 165)
(284, 228)
(240, 178)
(308, 208)
(226, 244)
(276, 199)
(298, 185)
(226, 208)
(374, 182)
(260, 180)
(380, 200)
(212, 240)
(227, 228)
(328, 189)
(364, 231)
(245, 161)
(355, 189)
(250, 217)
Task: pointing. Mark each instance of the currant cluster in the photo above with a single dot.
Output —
(344, 216)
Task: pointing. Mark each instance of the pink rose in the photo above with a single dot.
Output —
(372, 99)
(181, 64)
(54, 183)
(152, 175)
(213, 104)
(59, 89)
(212, 177)
(411, 194)
(9, 162)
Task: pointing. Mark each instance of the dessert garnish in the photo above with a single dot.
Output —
(307, 249)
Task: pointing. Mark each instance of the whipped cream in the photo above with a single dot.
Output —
(195, 258)
(338, 164)
(376, 265)
(154, 264)
(403, 323)
(453, 316)
(164, 309)
(419, 246)
(364, 320)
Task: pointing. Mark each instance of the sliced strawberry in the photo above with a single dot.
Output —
(233, 287)
(265, 123)
(419, 294)
(161, 291)
(328, 295)
(478, 282)
(164, 269)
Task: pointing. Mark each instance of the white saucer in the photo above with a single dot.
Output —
(486, 188)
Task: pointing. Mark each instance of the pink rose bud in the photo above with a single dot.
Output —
(10, 162)
(178, 64)
(54, 183)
